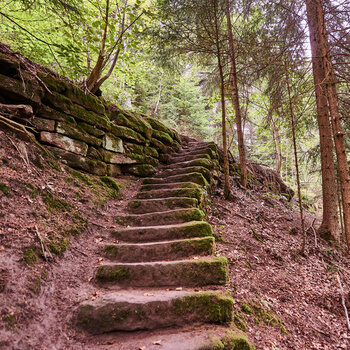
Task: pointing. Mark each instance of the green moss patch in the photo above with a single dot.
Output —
(210, 305)
(31, 255)
(4, 189)
(112, 273)
(263, 314)
(54, 204)
(58, 247)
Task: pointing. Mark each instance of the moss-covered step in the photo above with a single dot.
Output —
(143, 206)
(197, 178)
(193, 152)
(201, 337)
(168, 217)
(182, 171)
(163, 232)
(186, 273)
(169, 186)
(139, 310)
(156, 251)
(141, 170)
(185, 158)
(206, 163)
(175, 192)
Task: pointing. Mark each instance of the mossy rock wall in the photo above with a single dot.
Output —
(81, 129)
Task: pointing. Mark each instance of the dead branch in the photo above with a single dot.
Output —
(46, 253)
(343, 302)
(22, 151)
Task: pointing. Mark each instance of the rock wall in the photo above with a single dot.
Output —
(84, 131)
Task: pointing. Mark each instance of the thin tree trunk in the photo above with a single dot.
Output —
(159, 97)
(291, 109)
(240, 137)
(97, 70)
(329, 226)
(227, 187)
(277, 138)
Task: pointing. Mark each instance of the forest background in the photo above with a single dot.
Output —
(161, 58)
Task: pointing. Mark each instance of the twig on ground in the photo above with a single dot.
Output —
(312, 228)
(79, 251)
(46, 253)
(343, 302)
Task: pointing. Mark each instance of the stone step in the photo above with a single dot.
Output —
(140, 310)
(164, 232)
(180, 171)
(173, 185)
(143, 206)
(201, 337)
(185, 158)
(168, 217)
(206, 163)
(178, 249)
(197, 178)
(174, 192)
(197, 151)
(182, 273)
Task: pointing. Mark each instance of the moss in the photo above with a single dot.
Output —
(113, 188)
(133, 122)
(163, 137)
(134, 204)
(237, 341)
(216, 343)
(264, 315)
(257, 236)
(80, 221)
(143, 159)
(111, 250)
(127, 133)
(35, 285)
(58, 247)
(10, 321)
(190, 192)
(246, 308)
(77, 133)
(210, 305)
(82, 177)
(33, 188)
(197, 246)
(54, 204)
(239, 322)
(200, 229)
(141, 170)
(53, 83)
(4, 189)
(91, 129)
(112, 274)
(192, 215)
(142, 150)
(30, 255)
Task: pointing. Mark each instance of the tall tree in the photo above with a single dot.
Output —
(318, 39)
(233, 78)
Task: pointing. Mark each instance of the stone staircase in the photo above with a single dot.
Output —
(162, 272)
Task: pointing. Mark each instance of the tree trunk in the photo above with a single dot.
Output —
(277, 137)
(329, 226)
(338, 133)
(233, 73)
(227, 187)
(291, 109)
(97, 70)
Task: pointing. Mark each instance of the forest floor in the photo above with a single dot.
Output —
(282, 300)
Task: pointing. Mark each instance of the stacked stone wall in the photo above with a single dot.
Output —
(84, 131)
